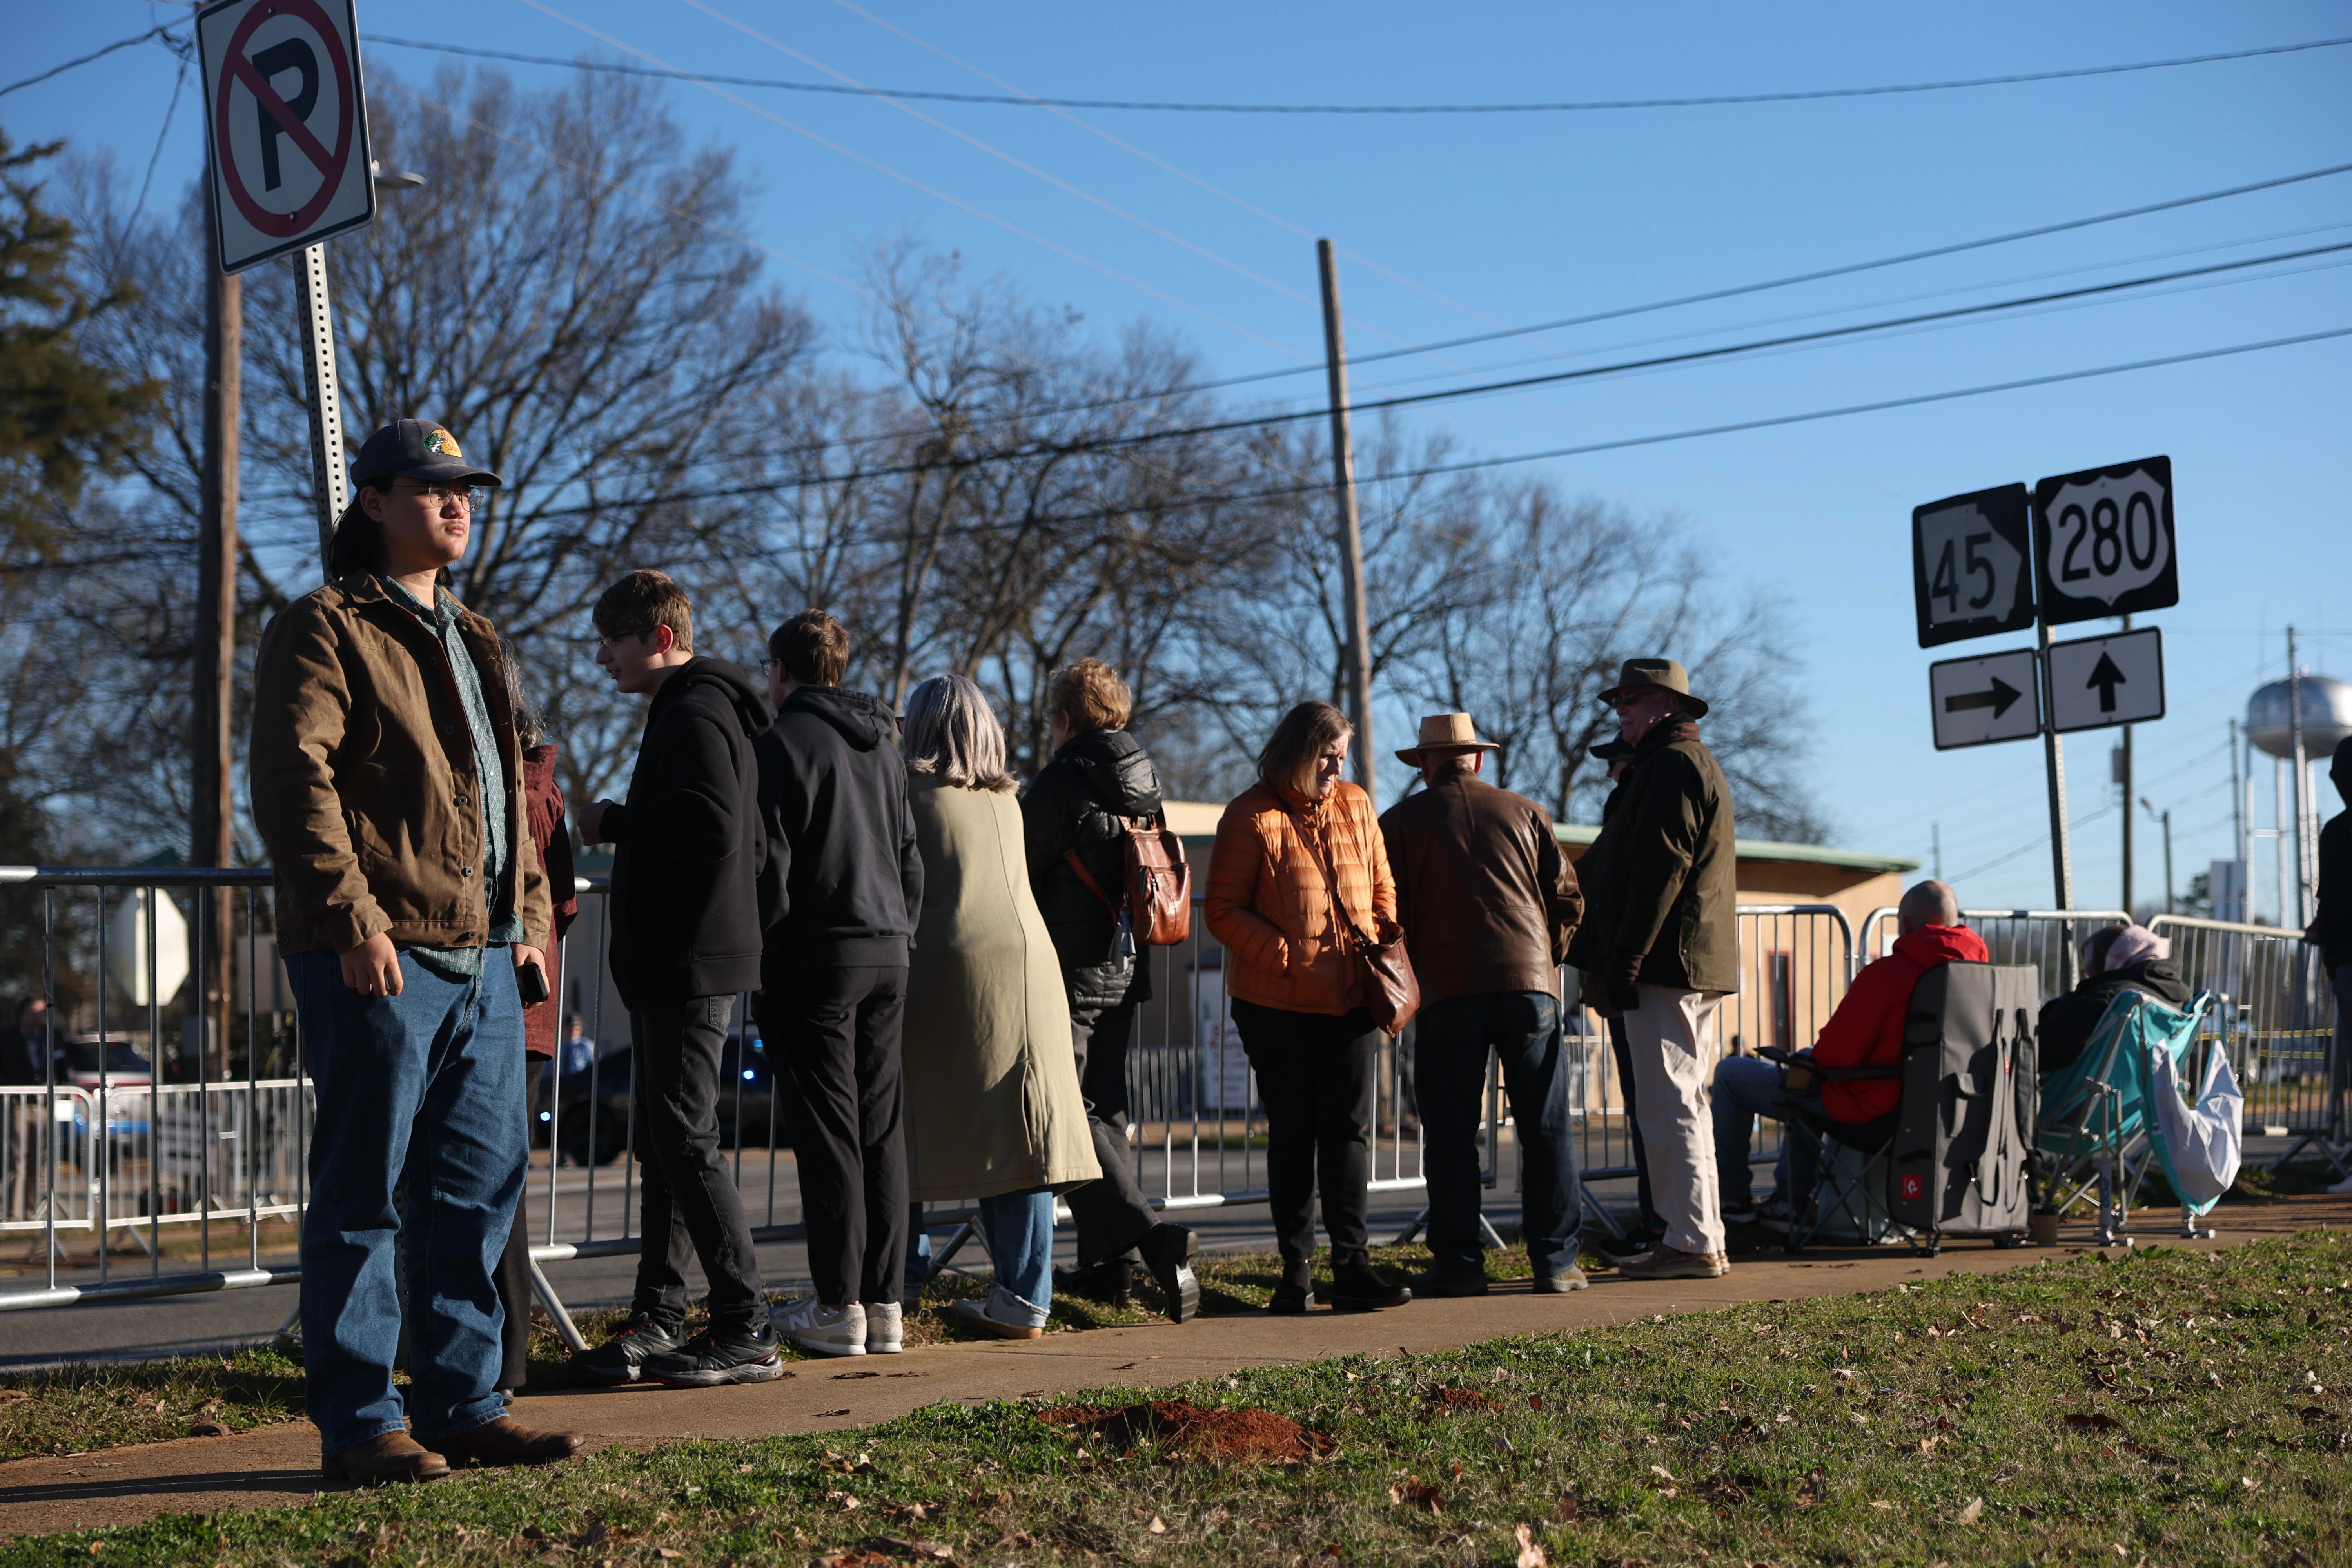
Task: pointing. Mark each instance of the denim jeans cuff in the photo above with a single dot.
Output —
(1007, 1308)
(365, 1437)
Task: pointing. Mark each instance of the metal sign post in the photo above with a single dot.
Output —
(285, 124)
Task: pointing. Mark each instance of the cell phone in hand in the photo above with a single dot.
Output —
(531, 983)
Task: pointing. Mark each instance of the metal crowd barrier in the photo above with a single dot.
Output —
(2276, 1016)
(158, 1166)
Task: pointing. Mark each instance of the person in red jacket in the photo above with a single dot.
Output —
(1866, 1030)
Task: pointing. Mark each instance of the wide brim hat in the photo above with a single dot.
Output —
(1662, 673)
(1609, 749)
(1446, 733)
(416, 449)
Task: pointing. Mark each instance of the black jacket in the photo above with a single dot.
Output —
(1664, 887)
(1074, 803)
(844, 878)
(2067, 1021)
(2331, 923)
(687, 844)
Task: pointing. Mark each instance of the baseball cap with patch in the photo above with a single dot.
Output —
(416, 449)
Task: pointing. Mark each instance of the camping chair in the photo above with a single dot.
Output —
(2095, 1128)
(1839, 1193)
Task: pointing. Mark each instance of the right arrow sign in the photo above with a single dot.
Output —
(2100, 681)
(1976, 701)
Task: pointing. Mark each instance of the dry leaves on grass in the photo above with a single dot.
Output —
(1531, 1551)
(1412, 1491)
(1970, 1514)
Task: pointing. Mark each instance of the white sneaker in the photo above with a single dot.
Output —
(823, 1331)
(886, 1328)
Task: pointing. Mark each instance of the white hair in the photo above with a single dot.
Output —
(952, 735)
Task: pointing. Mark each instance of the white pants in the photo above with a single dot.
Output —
(1673, 1038)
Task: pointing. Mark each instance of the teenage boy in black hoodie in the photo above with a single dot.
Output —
(684, 920)
(842, 885)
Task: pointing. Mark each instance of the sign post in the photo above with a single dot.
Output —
(286, 127)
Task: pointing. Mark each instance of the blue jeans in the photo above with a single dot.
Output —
(1745, 1088)
(419, 1094)
(1018, 1229)
(1451, 1040)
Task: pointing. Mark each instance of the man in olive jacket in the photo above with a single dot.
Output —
(1662, 938)
(387, 787)
(1488, 903)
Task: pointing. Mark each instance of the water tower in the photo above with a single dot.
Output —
(2323, 706)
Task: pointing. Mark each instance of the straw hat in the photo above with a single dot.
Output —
(1662, 673)
(1446, 733)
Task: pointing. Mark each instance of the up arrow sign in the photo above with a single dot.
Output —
(1997, 699)
(2099, 681)
(2106, 676)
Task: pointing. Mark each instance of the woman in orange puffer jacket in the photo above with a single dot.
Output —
(1298, 993)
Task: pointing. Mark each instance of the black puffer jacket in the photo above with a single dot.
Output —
(688, 848)
(2067, 1021)
(1074, 803)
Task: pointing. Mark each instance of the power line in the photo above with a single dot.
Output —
(1468, 465)
(1025, 101)
(85, 59)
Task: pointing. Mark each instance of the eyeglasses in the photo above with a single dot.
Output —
(467, 496)
(604, 642)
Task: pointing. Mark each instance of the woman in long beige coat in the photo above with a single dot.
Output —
(993, 1105)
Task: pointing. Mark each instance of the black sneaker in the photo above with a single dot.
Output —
(1167, 1251)
(709, 1359)
(1632, 1243)
(1360, 1288)
(622, 1358)
(1110, 1282)
(1290, 1302)
(1435, 1284)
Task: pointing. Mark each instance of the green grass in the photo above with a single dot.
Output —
(2164, 1407)
(75, 1408)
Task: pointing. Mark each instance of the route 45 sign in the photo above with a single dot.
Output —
(2103, 542)
(284, 125)
(1969, 565)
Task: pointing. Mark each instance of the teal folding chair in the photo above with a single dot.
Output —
(2095, 1129)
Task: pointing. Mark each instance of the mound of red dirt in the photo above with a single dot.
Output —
(1182, 1427)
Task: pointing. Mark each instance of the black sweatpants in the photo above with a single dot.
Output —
(839, 1033)
(1111, 1213)
(689, 1205)
(1316, 1075)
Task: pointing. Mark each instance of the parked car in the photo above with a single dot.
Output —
(746, 1100)
(79, 1056)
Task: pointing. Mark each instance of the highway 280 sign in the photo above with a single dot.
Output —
(285, 125)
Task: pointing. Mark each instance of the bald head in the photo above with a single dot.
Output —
(1928, 903)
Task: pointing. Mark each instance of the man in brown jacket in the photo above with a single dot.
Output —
(1488, 903)
(1661, 941)
(387, 785)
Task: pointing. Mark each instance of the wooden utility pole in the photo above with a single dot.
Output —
(213, 813)
(1351, 537)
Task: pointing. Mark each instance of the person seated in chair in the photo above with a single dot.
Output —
(1866, 1031)
(2115, 959)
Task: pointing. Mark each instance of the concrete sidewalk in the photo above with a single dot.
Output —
(279, 1465)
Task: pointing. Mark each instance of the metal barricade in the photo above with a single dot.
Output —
(2276, 1016)
(104, 1150)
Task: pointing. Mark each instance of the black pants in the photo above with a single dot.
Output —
(514, 1286)
(839, 1031)
(1111, 1213)
(1451, 1043)
(688, 1203)
(1623, 1051)
(1315, 1079)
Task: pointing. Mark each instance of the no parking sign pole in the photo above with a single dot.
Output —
(286, 129)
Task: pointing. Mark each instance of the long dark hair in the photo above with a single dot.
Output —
(357, 544)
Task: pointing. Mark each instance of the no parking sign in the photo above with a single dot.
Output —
(285, 125)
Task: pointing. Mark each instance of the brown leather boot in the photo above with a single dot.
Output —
(507, 1441)
(385, 1459)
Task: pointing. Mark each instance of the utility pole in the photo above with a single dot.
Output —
(2164, 818)
(214, 817)
(1935, 836)
(1351, 537)
(2302, 875)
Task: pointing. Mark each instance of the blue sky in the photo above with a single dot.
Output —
(1450, 225)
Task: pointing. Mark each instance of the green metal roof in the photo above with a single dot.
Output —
(1766, 849)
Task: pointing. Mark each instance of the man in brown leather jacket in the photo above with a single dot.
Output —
(1488, 903)
(387, 787)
